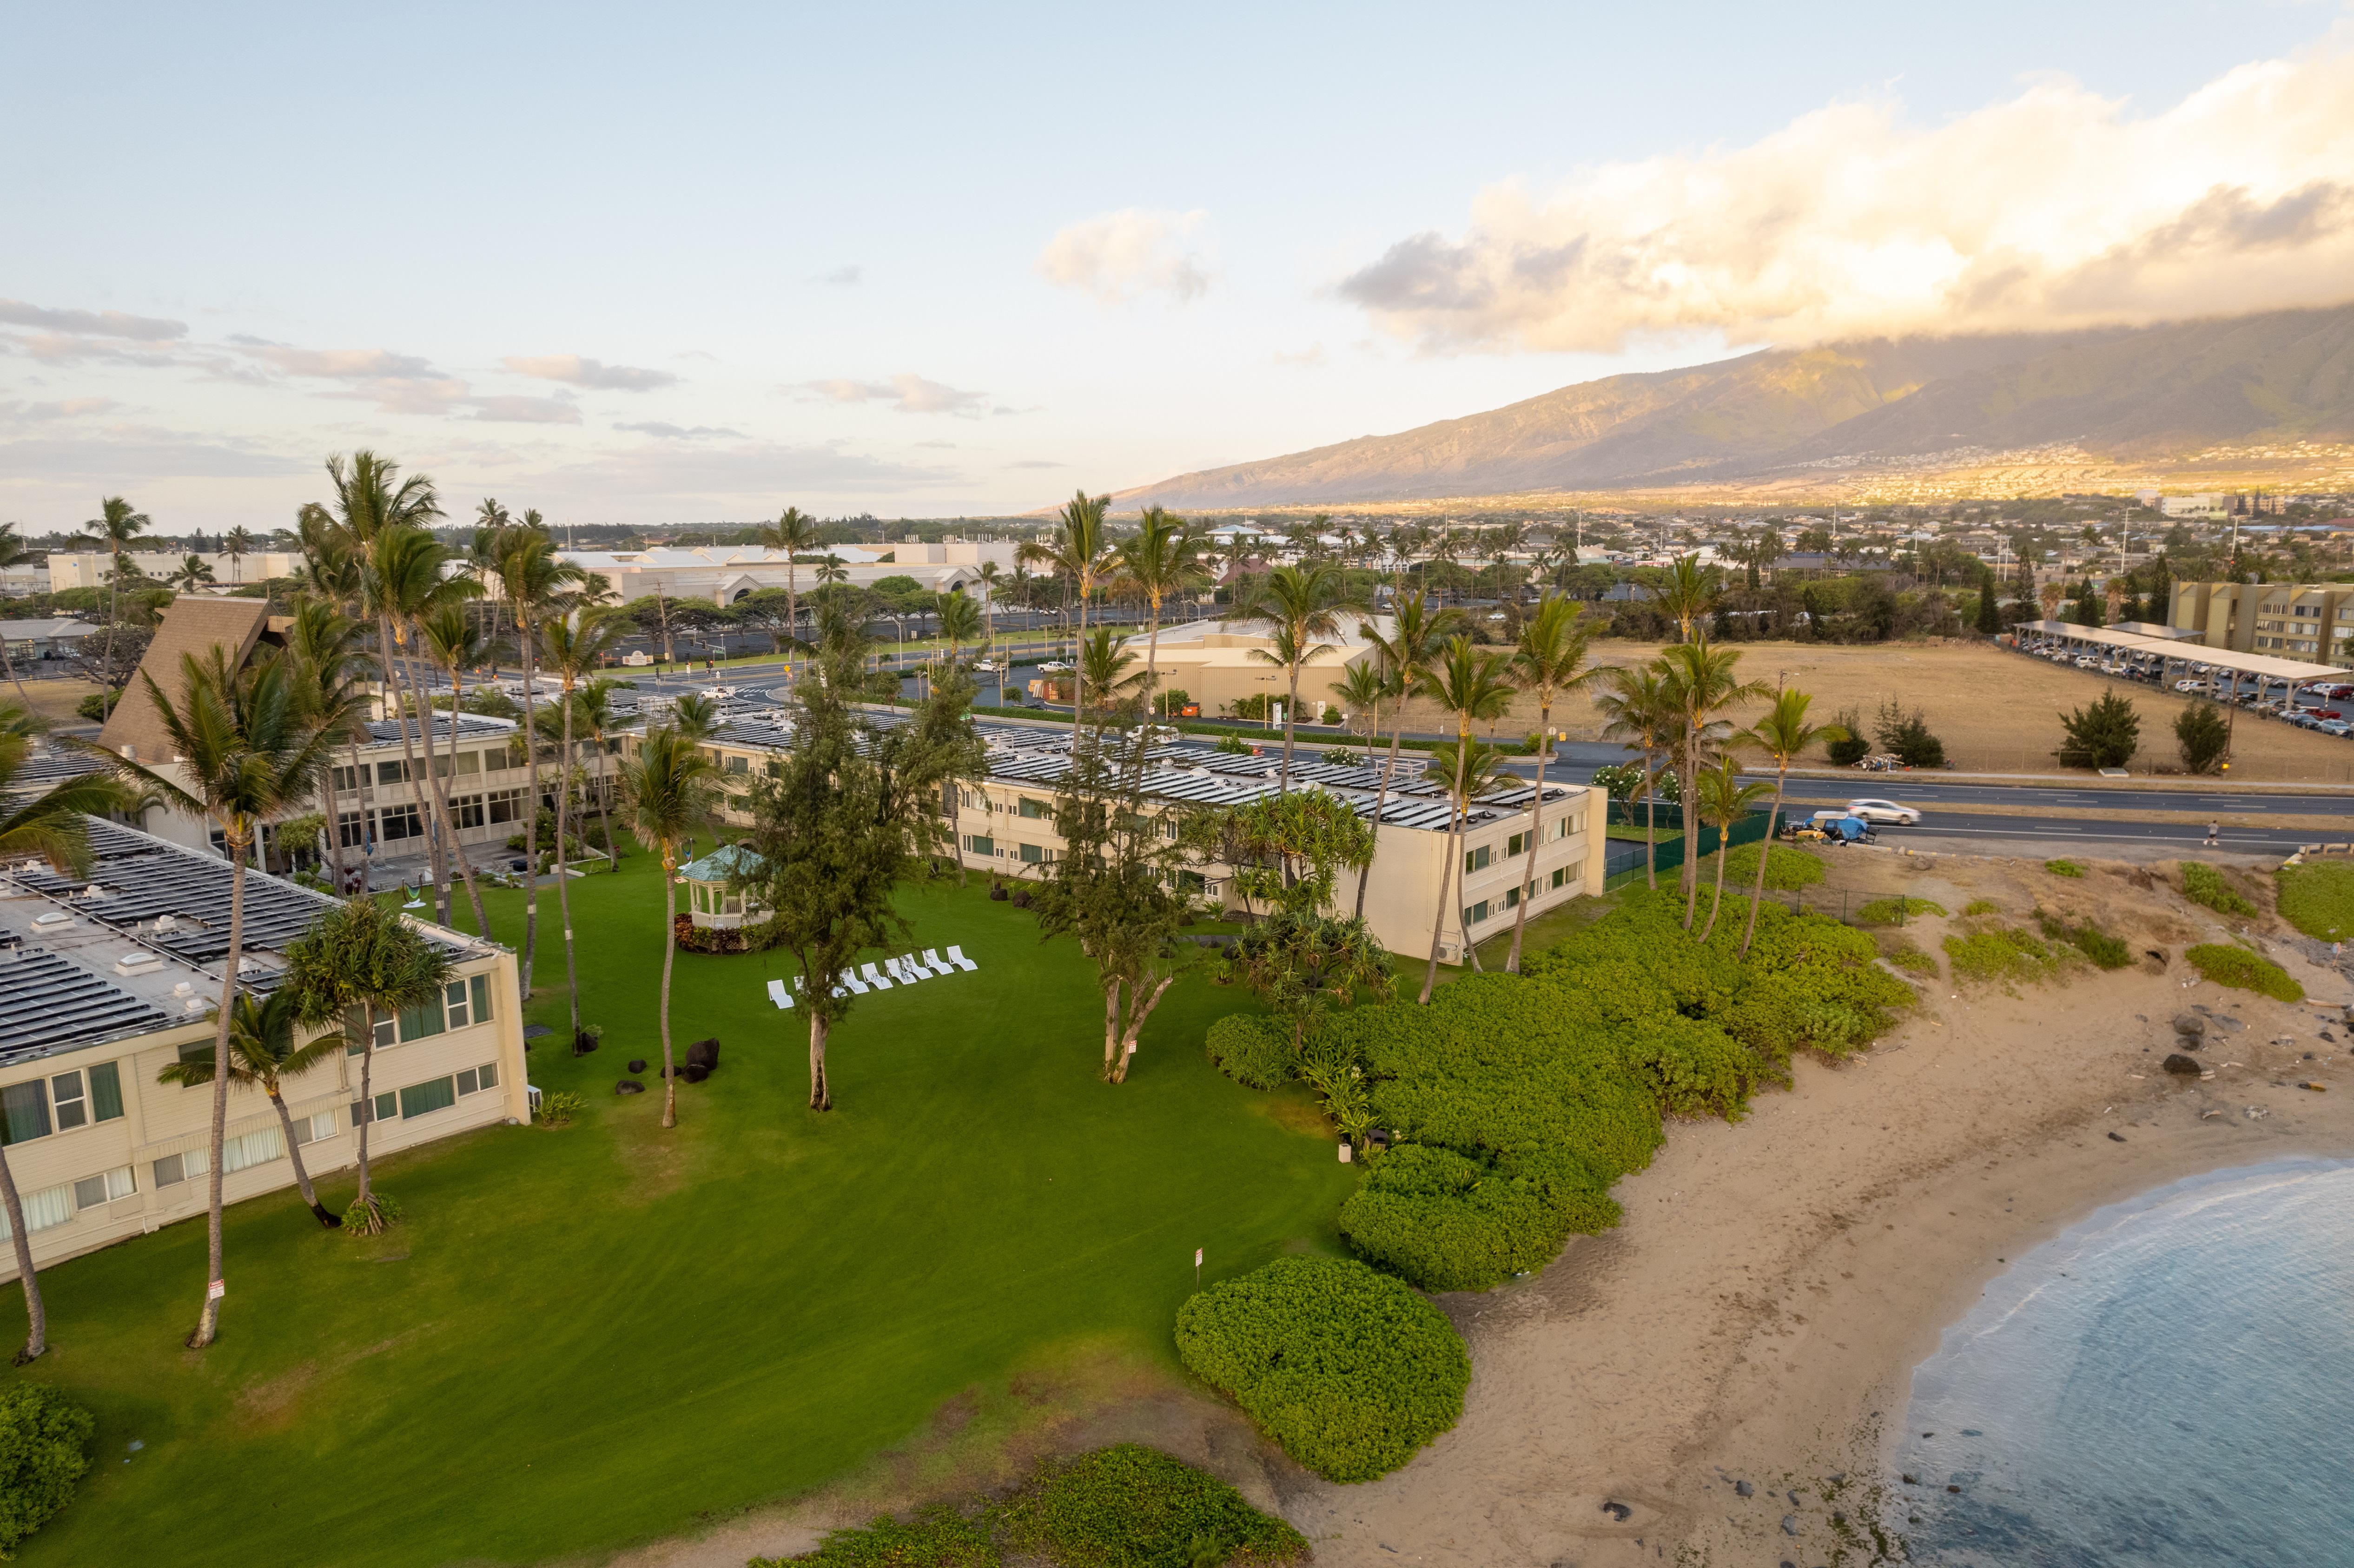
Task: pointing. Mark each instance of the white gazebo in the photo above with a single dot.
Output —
(711, 902)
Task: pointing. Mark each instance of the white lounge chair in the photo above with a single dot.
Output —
(911, 961)
(956, 956)
(854, 983)
(779, 994)
(875, 979)
(905, 975)
(937, 965)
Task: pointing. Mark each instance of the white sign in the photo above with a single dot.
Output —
(217, 1289)
(1197, 1258)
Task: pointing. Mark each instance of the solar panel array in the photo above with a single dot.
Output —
(49, 1004)
(449, 730)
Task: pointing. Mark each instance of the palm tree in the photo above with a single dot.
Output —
(959, 623)
(1471, 684)
(246, 751)
(1701, 681)
(593, 714)
(14, 552)
(1301, 604)
(263, 1055)
(1724, 799)
(358, 962)
(1363, 689)
(795, 533)
(193, 573)
(669, 789)
(831, 572)
(1163, 557)
(1636, 710)
(990, 574)
(1467, 769)
(576, 647)
(53, 825)
(1416, 632)
(1784, 734)
(695, 716)
(1688, 594)
(113, 529)
(325, 644)
(400, 580)
(1107, 669)
(447, 635)
(237, 543)
(534, 583)
(1080, 551)
(1551, 663)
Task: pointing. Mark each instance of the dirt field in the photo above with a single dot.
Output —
(54, 699)
(1996, 712)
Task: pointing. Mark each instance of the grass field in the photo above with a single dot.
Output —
(591, 1336)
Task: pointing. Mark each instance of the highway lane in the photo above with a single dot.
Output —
(1961, 830)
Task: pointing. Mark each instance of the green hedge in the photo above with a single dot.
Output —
(1132, 1507)
(1786, 869)
(2318, 898)
(2000, 953)
(1349, 1370)
(2227, 964)
(1251, 1050)
(44, 1439)
(2202, 884)
(940, 1538)
(1448, 1222)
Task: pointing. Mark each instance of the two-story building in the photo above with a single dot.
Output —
(109, 979)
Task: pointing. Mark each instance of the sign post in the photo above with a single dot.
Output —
(1197, 1268)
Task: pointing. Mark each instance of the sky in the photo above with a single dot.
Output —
(665, 266)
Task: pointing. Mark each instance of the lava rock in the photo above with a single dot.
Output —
(629, 1087)
(694, 1071)
(1790, 1524)
(2226, 1022)
(1618, 1512)
(2188, 1067)
(1743, 1488)
(704, 1054)
(1956, 1491)
(637, 1063)
(2189, 1023)
(1911, 1480)
(2116, 1138)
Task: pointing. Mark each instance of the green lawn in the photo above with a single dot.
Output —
(2318, 898)
(591, 1336)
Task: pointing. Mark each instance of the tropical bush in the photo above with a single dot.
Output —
(1249, 1049)
(1233, 745)
(2086, 939)
(368, 1219)
(2202, 884)
(2000, 953)
(1619, 780)
(1895, 911)
(1912, 959)
(1847, 753)
(2319, 900)
(1786, 868)
(2226, 963)
(2063, 868)
(1448, 1222)
(96, 706)
(1129, 1506)
(1348, 1370)
(44, 1443)
(559, 1106)
(1981, 906)
(2105, 734)
(937, 1538)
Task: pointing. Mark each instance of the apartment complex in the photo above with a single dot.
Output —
(2312, 622)
(94, 568)
(723, 573)
(1004, 823)
(107, 980)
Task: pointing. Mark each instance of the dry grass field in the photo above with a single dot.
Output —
(1998, 712)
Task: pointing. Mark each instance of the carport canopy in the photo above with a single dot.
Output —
(2261, 666)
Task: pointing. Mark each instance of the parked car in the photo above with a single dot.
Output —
(2190, 685)
(1885, 812)
(2337, 726)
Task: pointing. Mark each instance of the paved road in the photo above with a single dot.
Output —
(1954, 826)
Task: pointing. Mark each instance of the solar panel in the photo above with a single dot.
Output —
(48, 1004)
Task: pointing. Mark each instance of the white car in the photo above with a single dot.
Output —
(1877, 811)
(719, 693)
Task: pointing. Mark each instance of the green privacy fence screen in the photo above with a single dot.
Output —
(1667, 822)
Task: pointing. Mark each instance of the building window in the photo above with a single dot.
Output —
(348, 779)
(1515, 845)
(979, 844)
(1477, 913)
(49, 1206)
(1511, 898)
(351, 828)
(312, 1128)
(473, 1080)
(174, 1168)
(468, 810)
(1475, 859)
(1566, 826)
(396, 822)
(104, 1188)
(79, 1103)
(1030, 808)
(393, 772)
(253, 1148)
(422, 1099)
(470, 762)
(25, 1111)
(506, 805)
(1037, 854)
(739, 764)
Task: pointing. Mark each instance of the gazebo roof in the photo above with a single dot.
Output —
(723, 865)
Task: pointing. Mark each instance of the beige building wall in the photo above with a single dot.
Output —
(2310, 622)
(88, 568)
(1216, 669)
(121, 1163)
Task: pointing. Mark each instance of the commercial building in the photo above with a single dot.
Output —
(1217, 663)
(109, 979)
(90, 568)
(723, 573)
(1003, 823)
(30, 641)
(2309, 621)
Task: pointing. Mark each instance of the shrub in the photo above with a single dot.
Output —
(2319, 900)
(1234, 746)
(380, 1211)
(1847, 753)
(937, 1538)
(1895, 911)
(1447, 1222)
(96, 706)
(1250, 1050)
(2228, 964)
(2063, 868)
(1981, 906)
(1348, 1370)
(1129, 1506)
(1906, 735)
(559, 1107)
(1912, 959)
(1619, 780)
(42, 1439)
(1786, 868)
(2086, 939)
(2202, 884)
(2201, 735)
(2105, 734)
(1998, 953)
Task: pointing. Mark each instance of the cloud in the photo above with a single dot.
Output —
(1037, 462)
(334, 364)
(526, 411)
(1123, 256)
(593, 373)
(2054, 208)
(681, 432)
(141, 454)
(751, 472)
(906, 394)
(92, 323)
(1308, 358)
(66, 409)
(842, 277)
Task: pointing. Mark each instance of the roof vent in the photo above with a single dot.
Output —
(165, 923)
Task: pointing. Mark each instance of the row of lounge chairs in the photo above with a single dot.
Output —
(904, 969)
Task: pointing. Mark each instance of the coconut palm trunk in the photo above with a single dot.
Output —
(36, 1312)
(418, 797)
(465, 862)
(1536, 836)
(1651, 820)
(367, 1100)
(563, 882)
(1382, 797)
(1454, 855)
(443, 826)
(208, 1320)
(531, 825)
(294, 1154)
(669, 953)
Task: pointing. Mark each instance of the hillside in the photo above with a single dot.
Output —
(2283, 375)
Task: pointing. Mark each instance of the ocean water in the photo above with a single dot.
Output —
(2168, 1385)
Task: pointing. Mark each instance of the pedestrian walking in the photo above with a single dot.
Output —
(2214, 831)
